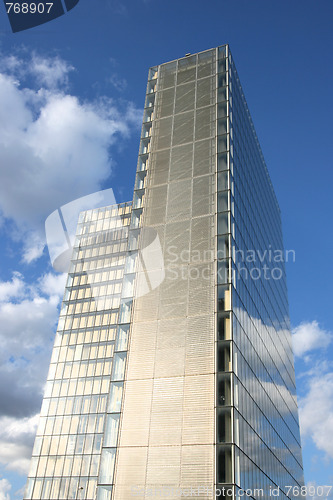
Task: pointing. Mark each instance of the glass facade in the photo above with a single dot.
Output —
(176, 372)
(71, 459)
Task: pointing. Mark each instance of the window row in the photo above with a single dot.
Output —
(103, 225)
(91, 252)
(80, 280)
(79, 386)
(105, 212)
(65, 466)
(83, 442)
(88, 320)
(71, 406)
(77, 369)
(87, 292)
(101, 238)
(70, 488)
(92, 335)
(102, 302)
(104, 263)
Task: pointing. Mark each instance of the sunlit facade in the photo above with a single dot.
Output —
(172, 370)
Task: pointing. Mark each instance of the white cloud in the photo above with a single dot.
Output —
(53, 284)
(16, 441)
(12, 289)
(50, 72)
(118, 83)
(27, 321)
(316, 412)
(308, 337)
(28, 315)
(53, 147)
(5, 487)
(33, 247)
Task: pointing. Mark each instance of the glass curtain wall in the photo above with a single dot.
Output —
(267, 448)
(86, 365)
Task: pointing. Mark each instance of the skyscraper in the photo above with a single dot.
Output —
(172, 372)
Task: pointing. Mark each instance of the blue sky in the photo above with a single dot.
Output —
(71, 100)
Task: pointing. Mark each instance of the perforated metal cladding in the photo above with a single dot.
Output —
(206, 63)
(156, 198)
(204, 157)
(181, 158)
(203, 195)
(170, 371)
(143, 346)
(167, 75)
(185, 95)
(162, 137)
(179, 200)
(174, 296)
(205, 92)
(165, 103)
(183, 128)
(186, 70)
(205, 124)
(159, 175)
(202, 232)
(177, 241)
(136, 418)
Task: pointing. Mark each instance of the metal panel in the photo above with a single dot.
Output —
(197, 466)
(164, 103)
(156, 204)
(201, 301)
(205, 123)
(185, 97)
(168, 394)
(162, 133)
(159, 167)
(141, 358)
(171, 333)
(136, 413)
(206, 63)
(202, 238)
(146, 307)
(164, 465)
(179, 200)
(204, 159)
(126, 491)
(183, 128)
(173, 298)
(177, 241)
(203, 199)
(198, 426)
(199, 391)
(205, 92)
(170, 361)
(131, 466)
(186, 69)
(167, 75)
(181, 162)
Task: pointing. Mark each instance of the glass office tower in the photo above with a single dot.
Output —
(172, 372)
